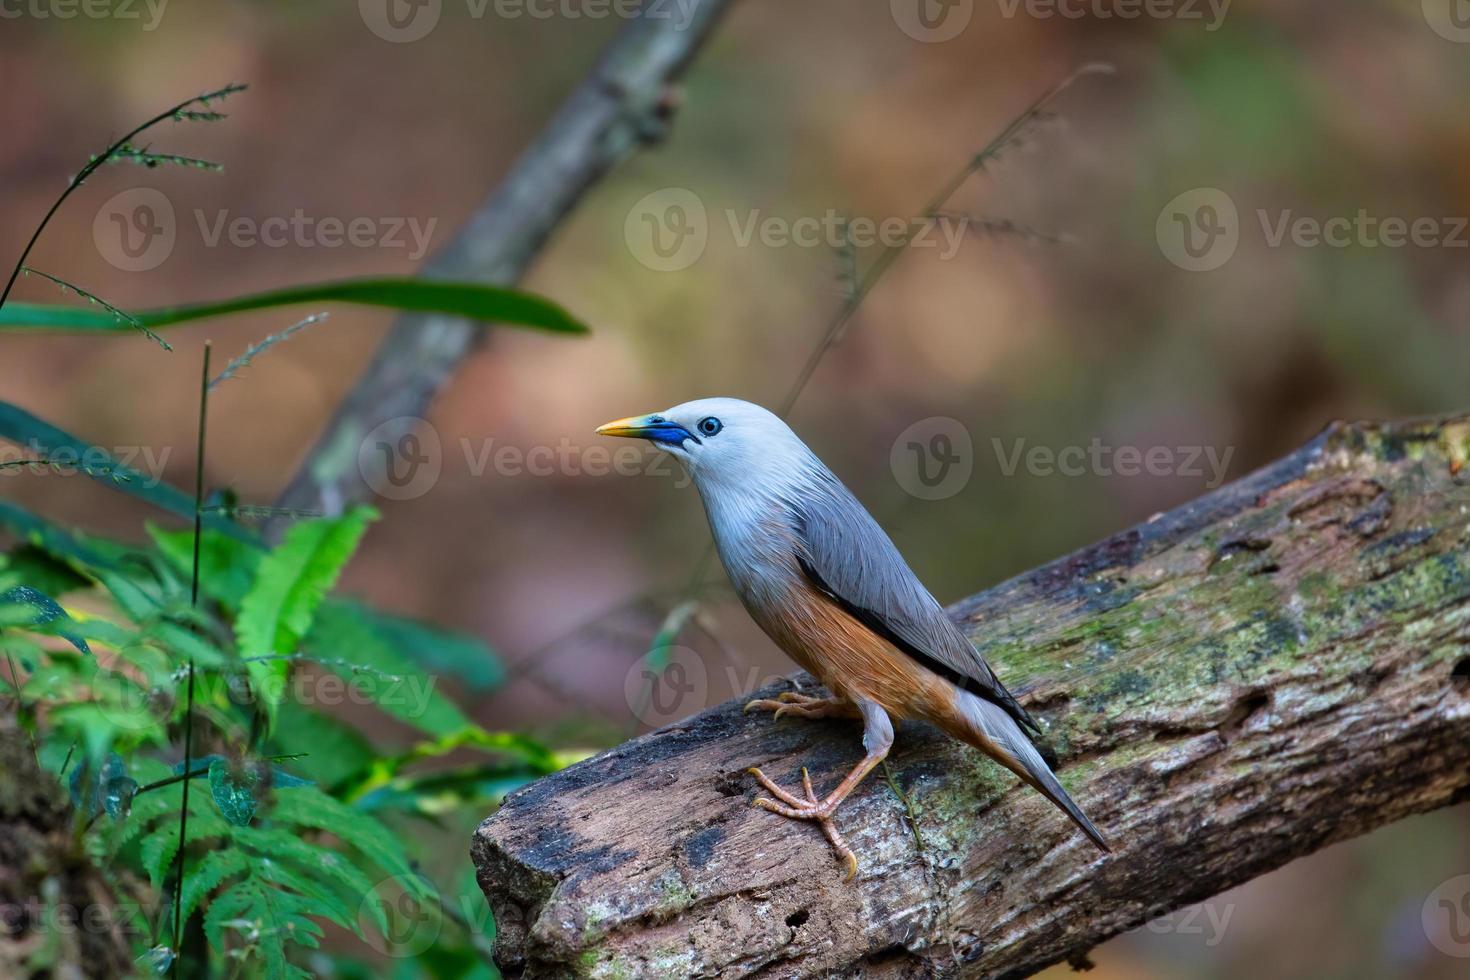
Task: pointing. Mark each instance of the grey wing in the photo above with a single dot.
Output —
(849, 558)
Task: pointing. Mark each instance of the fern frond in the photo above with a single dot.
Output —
(158, 848)
(208, 875)
(290, 584)
(281, 845)
(266, 918)
(311, 808)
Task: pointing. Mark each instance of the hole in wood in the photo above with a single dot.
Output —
(798, 918)
(1460, 675)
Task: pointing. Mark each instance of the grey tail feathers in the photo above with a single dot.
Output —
(1025, 761)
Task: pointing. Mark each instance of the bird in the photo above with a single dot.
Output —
(819, 575)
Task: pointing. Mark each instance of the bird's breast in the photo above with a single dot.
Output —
(758, 547)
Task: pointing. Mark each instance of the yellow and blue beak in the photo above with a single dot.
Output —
(654, 428)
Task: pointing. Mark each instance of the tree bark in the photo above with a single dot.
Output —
(627, 101)
(1274, 667)
(60, 915)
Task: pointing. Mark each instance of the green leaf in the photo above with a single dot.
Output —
(290, 584)
(57, 541)
(185, 645)
(318, 861)
(342, 641)
(233, 789)
(432, 795)
(159, 847)
(203, 765)
(332, 750)
(439, 651)
(474, 301)
(268, 918)
(46, 441)
(44, 612)
(227, 565)
(43, 572)
(107, 787)
(309, 807)
(324, 902)
(208, 874)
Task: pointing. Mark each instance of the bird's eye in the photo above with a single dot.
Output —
(709, 425)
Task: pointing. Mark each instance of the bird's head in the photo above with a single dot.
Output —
(720, 440)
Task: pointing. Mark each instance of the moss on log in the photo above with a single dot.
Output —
(1279, 665)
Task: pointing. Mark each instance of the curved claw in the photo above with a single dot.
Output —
(812, 808)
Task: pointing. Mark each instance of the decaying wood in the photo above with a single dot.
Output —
(1279, 665)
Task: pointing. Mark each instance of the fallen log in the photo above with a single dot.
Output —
(1274, 667)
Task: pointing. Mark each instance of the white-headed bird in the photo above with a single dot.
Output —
(824, 581)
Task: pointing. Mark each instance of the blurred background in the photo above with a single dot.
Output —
(1140, 272)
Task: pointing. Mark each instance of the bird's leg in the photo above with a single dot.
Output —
(792, 703)
(877, 739)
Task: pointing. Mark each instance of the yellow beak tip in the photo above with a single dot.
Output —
(632, 426)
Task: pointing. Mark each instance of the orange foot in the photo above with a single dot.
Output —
(791, 703)
(811, 808)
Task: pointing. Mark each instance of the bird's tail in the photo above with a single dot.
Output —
(1018, 754)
